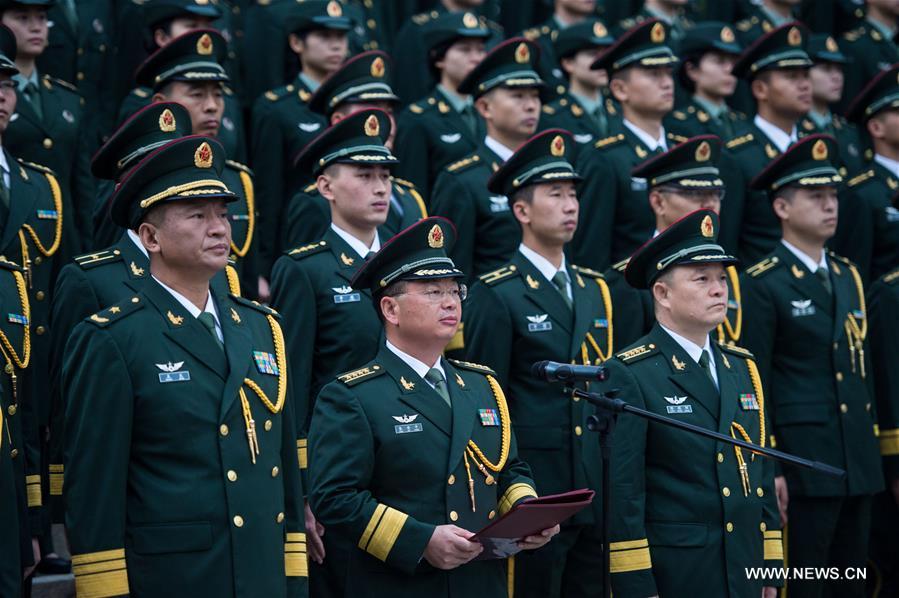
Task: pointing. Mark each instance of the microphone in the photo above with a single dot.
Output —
(553, 371)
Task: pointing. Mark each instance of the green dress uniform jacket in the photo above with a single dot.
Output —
(168, 489)
(568, 114)
(59, 141)
(400, 471)
(870, 52)
(615, 215)
(883, 302)
(813, 357)
(309, 214)
(488, 232)
(515, 318)
(548, 66)
(678, 25)
(430, 135)
(10, 515)
(680, 505)
(282, 125)
(851, 157)
(692, 119)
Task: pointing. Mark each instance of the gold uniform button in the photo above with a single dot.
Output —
(39, 295)
(223, 430)
(80, 76)
(238, 521)
(232, 475)
(451, 480)
(48, 143)
(81, 51)
(729, 527)
(835, 346)
(275, 471)
(720, 457)
(135, 300)
(268, 425)
(8, 368)
(578, 431)
(760, 492)
(40, 330)
(454, 516)
(844, 407)
(14, 453)
(867, 406)
(839, 376)
(725, 491)
(38, 260)
(11, 409)
(576, 398)
(762, 526)
(491, 514)
(280, 517)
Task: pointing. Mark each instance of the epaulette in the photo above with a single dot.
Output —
(356, 376)
(678, 138)
(422, 18)
(61, 83)
(307, 250)
(114, 313)
(239, 166)
(844, 260)
(265, 309)
(272, 95)
(628, 23)
(548, 110)
(416, 109)
(891, 277)
(679, 115)
(744, 25)
(531, 34)
(622, 265)
(637, 353)
(403, 182)
(736, 350)
(738, 141)
(606, 142)
(38, 167)
(474, 367)
(90, 260)
(460, 165)
(491, 278)
(310, 188)
(140, 92)
(766, 265)
(588, 272)
(861, 178)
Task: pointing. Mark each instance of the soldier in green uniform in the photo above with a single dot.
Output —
(764, 17)
(282, 121)
(827, 76)
(776, 67)
(538, 306)
(870, 46)
(333, 327)
(49, 127)
(807, 326)
(708, 53)
(616, 218)
(586, 111)
(506, 90)
(682, 504)
(444, 126)
(189, 70)
(670, 12)
(427, 455)
(204, 486)
(868, 233)
(167, 20)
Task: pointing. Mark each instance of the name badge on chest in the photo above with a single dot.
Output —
(539, 323)
(802, 307)
(171, 372)
(345, 295)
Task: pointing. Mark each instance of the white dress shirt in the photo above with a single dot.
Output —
(545, 268)
(776, 134)
(695, 351)
(192, 309)
(355, 244)
(808, 262)
(887, 163)
(646, 138)
(418, 366)
(498, 148)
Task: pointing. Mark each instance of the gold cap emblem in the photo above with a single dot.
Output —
(377, 67)
(831, 45)
(167, 121)
(657, 33)
(203, 156)
(794, 37)
(819, 150)
(703, 152)
(372, 126)
(204, 45)
(557, 147)
(435, 237)
(522, 53)
(727, 35)
(707, 228)
(334, 9)
(469, 20)
(599, 30)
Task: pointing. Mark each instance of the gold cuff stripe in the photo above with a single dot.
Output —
(57, 468)
(641, 543)
(385, 535)
(303, 458)
(294, 547)
(295, 565)
(889, 443)
(302, 442)
(96, 557)
(513, 494)
(774, 550)
(296, 537)
(774, 535)
(623, 561)
(372, 524)
(101, 585)
(56, 480)
(100, 567)
(33, 494)
(33, 479)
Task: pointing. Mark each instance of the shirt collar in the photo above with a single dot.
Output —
(4, 164)
(775, 134)
(692, 349)
(821, 120)
(498, 148)
(541, 263)
(660, 15)
(22, 81)
(889, 164)
(808, 262)
(311, 84)
(190, 307)
(591, 107)
(775, 18)
(136, 240)
(887, 32)
(418, 366)
(458, 103)
(715, 110)
(646, 138)
(355, 244)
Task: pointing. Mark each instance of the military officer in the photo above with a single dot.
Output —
(538, 306)
(10, 515)
(708, 53)
(764, 17)
(870, 46)
(189, 70)
(361, 83)
(49, 126)
(506, 89)
(776, 66)
(167, 20)
(670, 12)
(615, 215)
(198, 490)
(586, 111)
(682, 504)
(427, 454)
(444, 126)
(283, 123)
(869, 231)
(808, 327)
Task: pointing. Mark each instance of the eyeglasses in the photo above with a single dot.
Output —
(437, 296)
(7, 85)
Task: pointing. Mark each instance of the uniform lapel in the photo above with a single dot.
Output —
(50, 100)
(542, 292)
(416, 393)
(348, 261)
(842, 301)
(686, 373)
(730, 391)
(804, 282)
(582, 310)
(137, 265)
(24, 110)
(464, 411)
(21, 202)
(238, 347)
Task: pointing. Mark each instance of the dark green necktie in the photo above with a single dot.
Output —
(208, 320)
(602, 121)
(32, 94)
(824, 277)
(560, 279)
(470, 118)
(436, 379)
(4, 190)
(706, 366)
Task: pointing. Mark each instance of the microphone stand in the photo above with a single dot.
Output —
(603, 421)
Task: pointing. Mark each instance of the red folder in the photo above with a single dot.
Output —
(527, 518)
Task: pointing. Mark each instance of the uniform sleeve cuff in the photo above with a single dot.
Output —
(100, 574)
(56, 477)
(774, 548)
(632, 555)
(295, 562)
(302, 455)
(33, 490)
(515, 494)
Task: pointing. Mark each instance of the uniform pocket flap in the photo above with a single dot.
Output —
(801, 413)
(171, 537)
(677, 534)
